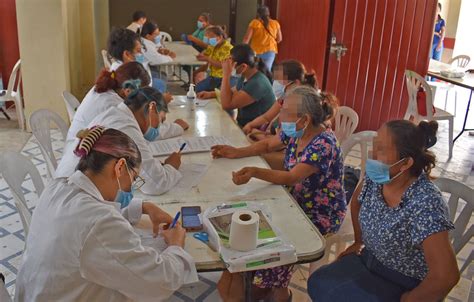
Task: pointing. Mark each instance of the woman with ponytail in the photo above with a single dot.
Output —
(135, 117)
(313, 172)
(81, 246)
(402, 250)
(109, 90)
(264, 34)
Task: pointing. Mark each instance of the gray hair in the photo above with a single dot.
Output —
(320, 106)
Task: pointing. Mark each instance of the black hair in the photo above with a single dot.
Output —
(138, 15)
(264, 13)
(217, 30)
(120, 40)
(243, 54)
(440, 6)
(148, 28)
(141, 97)
(295, 70)
(413, 141)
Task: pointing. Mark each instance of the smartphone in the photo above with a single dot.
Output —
(190, 217)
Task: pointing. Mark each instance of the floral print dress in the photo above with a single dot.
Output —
(321, 195)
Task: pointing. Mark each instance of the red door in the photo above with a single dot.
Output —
(383, 38)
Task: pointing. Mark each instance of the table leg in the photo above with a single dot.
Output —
(248, 285)
(465, 118)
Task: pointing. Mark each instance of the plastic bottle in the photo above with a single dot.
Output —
(191, 96)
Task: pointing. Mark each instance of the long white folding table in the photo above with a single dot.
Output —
(216, 187)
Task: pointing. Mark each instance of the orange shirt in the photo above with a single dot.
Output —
(263, 40)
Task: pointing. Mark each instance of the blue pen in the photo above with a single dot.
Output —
(175, 220)
(182, 147)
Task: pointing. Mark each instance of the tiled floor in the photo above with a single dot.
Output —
(460, 167)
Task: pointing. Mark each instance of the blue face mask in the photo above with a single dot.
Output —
(123, 197)
(379, 172)
(152, 133)
(200, 24)
(158, 40)
(278, 89)
(140, 58)
(289, 128)
(206, 40)
(213, 41)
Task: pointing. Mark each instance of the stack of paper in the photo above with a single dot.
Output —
(193, 144)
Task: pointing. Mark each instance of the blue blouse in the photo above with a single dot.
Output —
(440, 23)
(395, 235)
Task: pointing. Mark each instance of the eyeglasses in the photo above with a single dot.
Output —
(138, 182)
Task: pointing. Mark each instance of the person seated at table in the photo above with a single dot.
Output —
(402, 249)
(110, 90)
(125, 46)
(81, 248)
(253, 94)
(138, 19)
(313, 171)
(196, 39)
(217, 51)
(286, 76)
(152, 33)
(133, 117)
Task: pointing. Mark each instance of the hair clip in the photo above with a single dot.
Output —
(88, 137)
(112, 74)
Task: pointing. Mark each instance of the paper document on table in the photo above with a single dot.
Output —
(146, 236)
(192, 175)
(193, 144)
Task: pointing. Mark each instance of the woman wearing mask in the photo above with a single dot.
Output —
(217, 51)
(133, 117)
(286, 76)
(313, 172)
(80, 248)
(402, 251)
(197, 37)
(253, 94)
(151, 35)
(264, 34)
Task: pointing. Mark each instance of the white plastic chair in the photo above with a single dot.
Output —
(106, 58)
(414, 81)
(13, 94)
(346, 122)
(165, 37)
(40, 123)
(72, 103)
(460, 61)
(15, 168)
(462, 234)
(363, 138)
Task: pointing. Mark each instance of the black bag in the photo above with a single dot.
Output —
(351, 179)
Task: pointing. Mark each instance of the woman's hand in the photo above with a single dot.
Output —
(155, 120)
(203, 58)
(182, 123)
(438, 47)
(168, 97)
(174, 160)
(227, 66)
(356, 248)
(224, 151)
(205, 95)
(175, 236)
(243, 176)
(247, 128)
(172, 54)
(157, 216)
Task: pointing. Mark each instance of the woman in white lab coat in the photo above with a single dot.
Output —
(133, 117)
(80, 248)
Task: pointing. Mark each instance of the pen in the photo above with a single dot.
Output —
(175, 220)
(182, 147)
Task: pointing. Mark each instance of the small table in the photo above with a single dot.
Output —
(466, 82)
(185, 56)
(216, 187)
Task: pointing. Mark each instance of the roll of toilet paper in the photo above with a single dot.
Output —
(244, 230)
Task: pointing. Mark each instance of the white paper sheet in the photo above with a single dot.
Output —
(193, 144)
(201, 103)
(146, 235)
(192, 175)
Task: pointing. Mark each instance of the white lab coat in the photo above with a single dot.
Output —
(81, 249)
(116, 64)
(134, 27)
(152, 55)
(92, 105)
(158, 178)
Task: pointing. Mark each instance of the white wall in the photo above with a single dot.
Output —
(464, 35)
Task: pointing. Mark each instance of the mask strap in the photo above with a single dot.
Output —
(399, 173)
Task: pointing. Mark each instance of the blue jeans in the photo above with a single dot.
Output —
(158, 81)
(436, 54)
(208, 84)
(358, 279)
(268, 58)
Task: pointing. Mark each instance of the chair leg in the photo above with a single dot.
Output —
(20, 113)
(451, 130)
(455, 101)
(446, 100)
(5, 113)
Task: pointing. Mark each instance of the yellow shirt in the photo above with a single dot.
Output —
(218, 53)
(264, 40)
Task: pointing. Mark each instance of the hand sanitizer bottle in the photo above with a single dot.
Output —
(191, 96)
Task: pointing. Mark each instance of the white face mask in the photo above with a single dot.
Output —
(278, 89)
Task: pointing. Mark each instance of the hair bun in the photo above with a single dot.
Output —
(133, 85)
(88, 137)
(429, 130)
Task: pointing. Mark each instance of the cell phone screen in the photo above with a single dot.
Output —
(191, 217)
